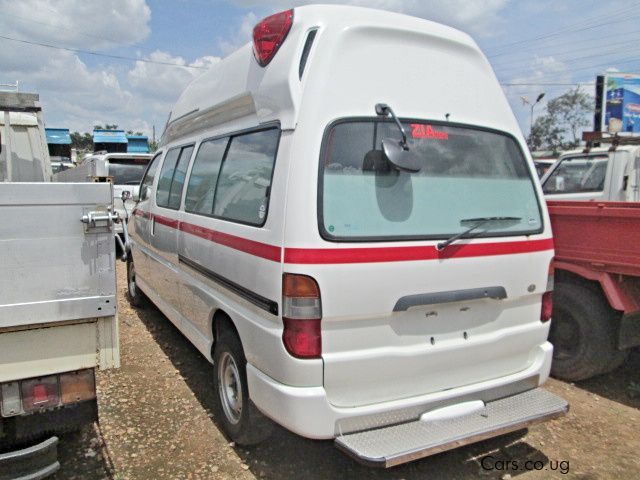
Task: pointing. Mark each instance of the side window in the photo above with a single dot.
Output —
(204, 176)
(166, 175)
(172, 177)
(244, 185)
(149, 177)
(175, 194)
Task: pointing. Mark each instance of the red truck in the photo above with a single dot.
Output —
(596, 317)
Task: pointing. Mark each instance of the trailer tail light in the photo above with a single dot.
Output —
(11, 403)
(269, 35)
(301, 315)
(77, 387)
(39, 393)
(546, 310)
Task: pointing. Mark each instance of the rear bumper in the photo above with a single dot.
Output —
(391, 446)
(308, 412)
(33, 463)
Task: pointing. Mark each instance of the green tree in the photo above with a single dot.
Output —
(561, 126)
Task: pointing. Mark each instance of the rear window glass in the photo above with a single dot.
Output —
(244, 186)
(465, 173)
(578, 175)
(126, 173)
(204, 175)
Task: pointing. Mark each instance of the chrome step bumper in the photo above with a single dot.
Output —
(390, 446)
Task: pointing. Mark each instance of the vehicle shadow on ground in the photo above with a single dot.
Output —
(286, 455)
(621, 385)
(84, 454)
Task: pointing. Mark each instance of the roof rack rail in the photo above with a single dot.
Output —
(595, 138)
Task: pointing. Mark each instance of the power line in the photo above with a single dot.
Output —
(574, 28)
(98, 54)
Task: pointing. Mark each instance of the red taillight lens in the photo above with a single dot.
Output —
(301, 314)
(269, 34)
(302, 338)
(39, 393)
(547, 307)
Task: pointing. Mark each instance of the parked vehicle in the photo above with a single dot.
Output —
(354, 275)
(592, 197)
(597, 286)
(598, 174)
(124, 170)
(57, 295)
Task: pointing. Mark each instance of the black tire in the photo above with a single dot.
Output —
(134, 294)
(247, 426)
(583, 333)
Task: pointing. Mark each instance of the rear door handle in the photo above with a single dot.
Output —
(422, 299)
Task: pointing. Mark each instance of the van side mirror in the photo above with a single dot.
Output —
(135, 197)
(126, 195)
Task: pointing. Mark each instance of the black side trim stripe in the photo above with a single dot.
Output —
(258, 300)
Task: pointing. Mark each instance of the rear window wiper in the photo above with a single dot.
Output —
(477, 222)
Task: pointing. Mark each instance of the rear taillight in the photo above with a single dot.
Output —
(269, 34)
(52, 391)
(547, 298)
(39, 393)
(77, 387)
(301, 315)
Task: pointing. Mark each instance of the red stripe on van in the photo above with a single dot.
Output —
(169, 222)
(352, 255)
(263, 250)
(406, 254)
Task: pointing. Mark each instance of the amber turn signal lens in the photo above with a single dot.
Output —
(77, 386)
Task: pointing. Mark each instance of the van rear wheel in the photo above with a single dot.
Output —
(241, 419)
(582, 333)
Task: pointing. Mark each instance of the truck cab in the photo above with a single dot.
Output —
(595, 174)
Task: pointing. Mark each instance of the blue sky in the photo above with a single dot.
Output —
(536, 43)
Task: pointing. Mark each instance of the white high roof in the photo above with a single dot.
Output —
(360, 56)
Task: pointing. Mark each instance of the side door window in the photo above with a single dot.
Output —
(204, 176)
(172, 177)
(244, 183)
(147, 181)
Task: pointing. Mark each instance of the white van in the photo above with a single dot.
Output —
(345, 283)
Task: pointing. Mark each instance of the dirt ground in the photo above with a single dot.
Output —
(157, 422)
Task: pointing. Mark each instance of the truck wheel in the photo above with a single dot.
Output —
(582, 333)
(241, 419)
(135, 295)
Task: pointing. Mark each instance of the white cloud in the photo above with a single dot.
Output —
(476, 17)
(242, 35)
(77, 23)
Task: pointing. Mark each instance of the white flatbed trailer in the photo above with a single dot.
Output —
(58, 308)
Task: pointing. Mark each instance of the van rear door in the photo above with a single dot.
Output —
(400, 317)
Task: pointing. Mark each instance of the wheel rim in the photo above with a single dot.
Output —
(230, 388)
(132, 281)
(565, 335)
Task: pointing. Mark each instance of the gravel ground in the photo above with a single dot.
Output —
(157, 422)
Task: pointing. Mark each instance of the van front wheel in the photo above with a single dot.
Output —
(240, 418)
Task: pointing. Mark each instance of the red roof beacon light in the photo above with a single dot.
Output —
(269, 34)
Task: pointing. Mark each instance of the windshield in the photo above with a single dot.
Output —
(465, 173)
(127, 173)
(577, 175)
